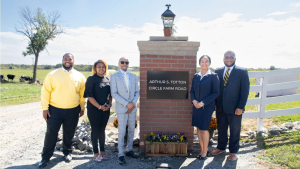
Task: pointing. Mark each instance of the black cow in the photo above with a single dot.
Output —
(2, 77)
(11, 77)
(28, 79)
(25, 78)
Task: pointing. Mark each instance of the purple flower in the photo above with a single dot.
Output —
(150, 137)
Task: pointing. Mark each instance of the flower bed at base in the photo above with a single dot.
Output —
(166, 145)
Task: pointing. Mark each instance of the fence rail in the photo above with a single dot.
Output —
(263, 100)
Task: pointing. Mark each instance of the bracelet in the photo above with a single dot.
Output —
(100, 107)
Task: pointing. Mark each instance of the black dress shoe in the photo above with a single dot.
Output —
(202, 158)
(122, 160)
(197, 156)
(43, 163)
(132, 154)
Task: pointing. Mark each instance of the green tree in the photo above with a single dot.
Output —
(38, 29)
(272, 68)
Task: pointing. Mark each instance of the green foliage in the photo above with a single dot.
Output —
(272, 68)
(38, 30)
(79, 67)
(19, 93)
(283, 149)
(286, 155)
(287, 118)
(264, 145)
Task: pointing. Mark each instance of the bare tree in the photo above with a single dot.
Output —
(38, 29)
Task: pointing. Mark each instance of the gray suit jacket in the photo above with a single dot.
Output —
(120, 93)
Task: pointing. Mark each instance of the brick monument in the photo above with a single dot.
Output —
(168, 116)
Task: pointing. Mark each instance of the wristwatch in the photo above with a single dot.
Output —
(100, 107)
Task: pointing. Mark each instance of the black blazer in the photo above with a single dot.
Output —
(206, 90)
(236, 92)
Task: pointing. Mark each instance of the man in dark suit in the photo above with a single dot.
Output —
(230, 104)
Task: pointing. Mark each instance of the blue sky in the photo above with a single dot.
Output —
(262, 33)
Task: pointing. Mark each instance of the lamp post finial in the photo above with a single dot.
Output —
(168, 5)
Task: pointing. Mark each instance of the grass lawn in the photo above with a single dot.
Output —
(15, 92)
(283, 149)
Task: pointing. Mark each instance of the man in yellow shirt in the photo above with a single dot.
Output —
(62, 103)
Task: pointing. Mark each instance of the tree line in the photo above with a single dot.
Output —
(83, 67)
(79, 67)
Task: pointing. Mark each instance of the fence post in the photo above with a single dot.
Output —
(263, 96)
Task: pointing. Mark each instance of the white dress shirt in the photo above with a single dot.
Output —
(66, 70)
(226, 70)
(127, 73)
(208, 72)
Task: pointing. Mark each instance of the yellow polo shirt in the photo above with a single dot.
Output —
(63, 90)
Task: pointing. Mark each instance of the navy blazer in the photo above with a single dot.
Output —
(206, 90)
(236, 92)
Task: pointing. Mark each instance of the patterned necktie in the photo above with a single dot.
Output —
(126, 80)
(226, 76)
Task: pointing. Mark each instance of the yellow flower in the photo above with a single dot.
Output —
(181, 138)
(165, 137)
(151, 134)
(145, 135)
(178, 133)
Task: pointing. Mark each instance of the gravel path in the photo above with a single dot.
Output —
(22, 131)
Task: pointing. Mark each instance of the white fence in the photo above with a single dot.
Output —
(263, 100)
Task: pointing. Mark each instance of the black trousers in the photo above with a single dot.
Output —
(66, 117)
(98, 120)
(234, 121)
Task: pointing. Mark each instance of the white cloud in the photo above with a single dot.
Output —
(257, 42)
(295, 4)
(277, 13)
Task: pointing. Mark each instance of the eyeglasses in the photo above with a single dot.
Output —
(229, 58)
(122, 62)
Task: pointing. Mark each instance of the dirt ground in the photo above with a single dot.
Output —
(251, 123)
(22, 131)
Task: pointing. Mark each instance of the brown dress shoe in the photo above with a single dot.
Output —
(232, 157)
(217, 152)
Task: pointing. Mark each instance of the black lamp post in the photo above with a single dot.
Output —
(168, 19)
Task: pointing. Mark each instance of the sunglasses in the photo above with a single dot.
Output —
(227, 58)
(122, 62)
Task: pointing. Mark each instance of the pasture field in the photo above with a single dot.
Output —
(276, 106)
(15, 92)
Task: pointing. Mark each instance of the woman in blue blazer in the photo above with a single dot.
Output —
(204, 91)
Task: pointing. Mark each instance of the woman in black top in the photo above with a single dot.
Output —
(97, 90)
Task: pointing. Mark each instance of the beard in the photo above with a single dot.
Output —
(229, 65)
(69, 67)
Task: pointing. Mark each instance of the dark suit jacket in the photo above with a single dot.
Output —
(207, 90)
(236, 92)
